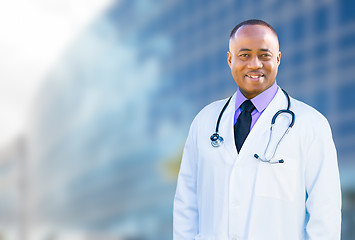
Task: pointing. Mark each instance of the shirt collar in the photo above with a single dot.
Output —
(260, 101)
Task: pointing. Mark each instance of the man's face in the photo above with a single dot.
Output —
(254, 58)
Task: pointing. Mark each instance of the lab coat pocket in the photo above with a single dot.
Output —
(278, 181)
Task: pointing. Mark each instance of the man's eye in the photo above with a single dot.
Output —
(265, 55)
(244, 55)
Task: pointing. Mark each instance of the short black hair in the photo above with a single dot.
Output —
(252, 22)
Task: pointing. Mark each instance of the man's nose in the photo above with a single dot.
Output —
(255, 63)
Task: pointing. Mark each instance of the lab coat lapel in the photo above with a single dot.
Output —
(258, 137)
(226, 130)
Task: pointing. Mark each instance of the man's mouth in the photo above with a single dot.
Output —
(254, 76)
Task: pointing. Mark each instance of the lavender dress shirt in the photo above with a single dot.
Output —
(260, 102)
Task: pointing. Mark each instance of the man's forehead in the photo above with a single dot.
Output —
(250, 34)
(254, 30)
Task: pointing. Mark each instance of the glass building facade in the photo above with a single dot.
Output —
(110, 122)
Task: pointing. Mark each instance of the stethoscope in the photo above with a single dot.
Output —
(217, 140)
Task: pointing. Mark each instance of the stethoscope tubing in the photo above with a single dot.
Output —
(217, 140)
(221, 113)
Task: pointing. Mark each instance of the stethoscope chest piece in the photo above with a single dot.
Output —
(216, 140)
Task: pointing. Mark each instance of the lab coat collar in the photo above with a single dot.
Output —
(258, 136)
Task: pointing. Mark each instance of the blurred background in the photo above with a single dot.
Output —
(97, 96)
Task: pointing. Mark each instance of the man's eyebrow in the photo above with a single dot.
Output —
(249, 50)
(244, 49)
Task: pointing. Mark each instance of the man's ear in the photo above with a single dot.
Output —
(278, 58)
(229, 58)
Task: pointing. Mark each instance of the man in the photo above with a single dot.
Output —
(251, 186)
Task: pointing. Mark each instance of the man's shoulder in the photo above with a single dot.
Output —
(212, 109)
(307, 114)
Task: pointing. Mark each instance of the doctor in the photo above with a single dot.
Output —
(239, 188)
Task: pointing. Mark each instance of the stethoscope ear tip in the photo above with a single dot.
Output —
(268, 161)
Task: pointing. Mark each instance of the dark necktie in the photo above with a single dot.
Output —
(242, 126)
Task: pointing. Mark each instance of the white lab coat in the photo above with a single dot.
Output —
(224, 195)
